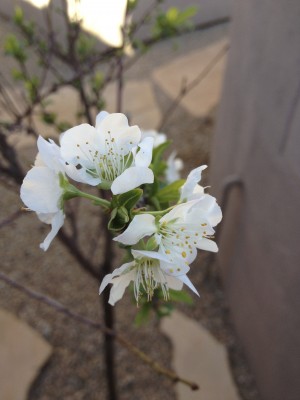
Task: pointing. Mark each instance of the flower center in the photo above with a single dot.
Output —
(150, 276)
(106, 164)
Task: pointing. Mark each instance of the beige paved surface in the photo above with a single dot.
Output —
(199, 357)
(22, 353)
(205, 95)
(139, 102)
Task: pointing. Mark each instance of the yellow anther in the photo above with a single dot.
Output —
(183, 254)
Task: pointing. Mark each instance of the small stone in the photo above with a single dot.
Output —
(22, 353)
(198, 357)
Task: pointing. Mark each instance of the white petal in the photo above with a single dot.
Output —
(138, 254)
(175, 269)
(159, 138)
(174, 166)
(100, 117)
(208, 245)
(193, 178)
(78, 145)
(40, 190)
(115, 127)
(144, 155)
(131, 178)
(57, 222)
(174, 283)
(81, 175)
(178, 211)
(49, 152)
(119, 285)
(187, 282)
(142, 225)
(118, 271)
(206, 208)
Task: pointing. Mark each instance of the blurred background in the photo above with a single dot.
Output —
(220, 79)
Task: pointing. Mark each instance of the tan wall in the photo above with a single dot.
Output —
(258, 141)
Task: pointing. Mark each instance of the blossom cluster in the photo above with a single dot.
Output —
(163, 235)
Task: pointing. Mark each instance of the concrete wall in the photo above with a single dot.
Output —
(258, 141)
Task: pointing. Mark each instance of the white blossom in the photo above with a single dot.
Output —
(111, 155)
(41, 191)
(180, 232)
(174, 166)
(191, 190)
(149, 270)
(158, 137)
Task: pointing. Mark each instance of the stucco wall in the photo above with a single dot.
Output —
(257, 142)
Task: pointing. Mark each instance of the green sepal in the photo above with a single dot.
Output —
(119, 218)
(70, 191)
(170, 192)
(151, 244)
(122, 206)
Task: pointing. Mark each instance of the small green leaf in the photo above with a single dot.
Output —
(17, 75)
(15, 48)
(170, 192)
(97, 81)
(49, 117)
(63, 126)
(18, 15)
(158, 153)
(143, 314)
(164, 310)
(180, 296)
(129, 199)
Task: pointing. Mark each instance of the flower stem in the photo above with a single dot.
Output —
(162, 212)
(97, 200)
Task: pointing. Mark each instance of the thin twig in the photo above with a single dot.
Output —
(97, 325)
(188, 87)
(11, 218)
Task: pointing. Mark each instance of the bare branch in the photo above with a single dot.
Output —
(97, 325)
(188, 87)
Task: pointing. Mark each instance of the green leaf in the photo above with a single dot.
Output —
(143, 314)
(84, 46)
(63, 126)
(164, 310)
(97, 81)
(170, 192)
(170, 23)
(129, 199)
(17, 75)
(15, 48)
(32, 86)
(180, 296)
(49, 117)
(18, 15)
(158, 153)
